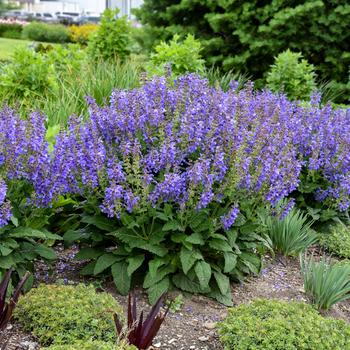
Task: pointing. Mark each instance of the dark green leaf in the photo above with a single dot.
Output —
(121, 278)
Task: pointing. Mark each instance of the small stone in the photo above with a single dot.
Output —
(172, 341)
(192, 347)
(203, 338)
(157, 345)
(210, 325)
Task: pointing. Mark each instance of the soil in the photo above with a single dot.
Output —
(193, 326)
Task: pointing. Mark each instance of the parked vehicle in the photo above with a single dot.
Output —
(43, 17)
(16, 14)
(67, 17)
(88, 19)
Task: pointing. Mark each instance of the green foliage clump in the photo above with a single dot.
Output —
(246, 35)
(91, 345)
(60, 314)
(50, 33)
(28, 75)
(291, 235)
(182, 57)
(326, 282)
(280, 325)
(113, 37)
(292, 75)
(168, 247)
(337, 240)
(11, 31)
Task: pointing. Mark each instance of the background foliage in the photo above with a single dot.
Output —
(246, 35)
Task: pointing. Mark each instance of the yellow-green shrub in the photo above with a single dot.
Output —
(58, 314)
(81, 34)
(277, 325)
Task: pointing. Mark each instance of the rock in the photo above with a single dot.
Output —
(171, 341)
(192, 347)
(203, 338)
(210, 325)
(29, 345)
(157, 345)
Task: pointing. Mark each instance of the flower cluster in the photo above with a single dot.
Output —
(188, 144)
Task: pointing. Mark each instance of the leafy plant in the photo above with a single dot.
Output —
(276, 325)
(112, 39)
(292, 234)
(292, 75)
(326, 282)
(7, 308)
(81, 34)
(181, 57)
(141, 332)
(50, 33)
(11, 30)
(29, 75)
(337, 240)
(189, 252)
(67, 314)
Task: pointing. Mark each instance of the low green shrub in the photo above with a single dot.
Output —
(12, 31)
(28, 75)
(59, 314)
(90, 345)
(50, 33)
(292, 234)
(183, 56)
(280, 325)
(292, 75)
(337, 240)
(325, 281)
(112, 40)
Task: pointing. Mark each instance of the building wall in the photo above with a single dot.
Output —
(49, 6)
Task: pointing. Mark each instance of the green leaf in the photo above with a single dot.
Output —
(88, 269)
(45, 252)
(100, 222)
(195, 238)
(225, 299)
(134, 262)
(158, 289)
(162, 272)
(26, 232)
(6, 262)
(154, 264)
(188, 258)
(5, 250)
(230, 261)
(184, 283)
(172, 226)
(222, 281)
(220, 245)
(14, 220)
(121, 278)
(89, 253)
(105, 261)
(72, 236)
(203, 273)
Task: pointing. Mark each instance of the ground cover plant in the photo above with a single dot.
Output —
(62, 315)
(277, 325)
(337, 240)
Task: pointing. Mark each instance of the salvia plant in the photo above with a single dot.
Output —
(141, 331)
(327, 282)
(172, 178)
(7, 307)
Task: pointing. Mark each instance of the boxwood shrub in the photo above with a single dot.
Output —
(337, 240)
(281, 325)
(60, 314)
(50, 33)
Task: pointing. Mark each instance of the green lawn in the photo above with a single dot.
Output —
(8, 47)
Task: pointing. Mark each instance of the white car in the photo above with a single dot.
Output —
(44, 17)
